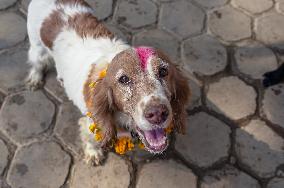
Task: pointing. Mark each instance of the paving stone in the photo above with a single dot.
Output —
(269, 29)
(207, 140)
(26, 115)
(273, 104)
(195, 98)
(135, 14)
(118, 32)
(162, 1)
(166, 174)
(254, 6)
(39, 165)
(103, 9)
(211, 3)
(158, 39)
(221, 97)
(230, 24)
(53, 86)
(14, 31)
(24, 5)
(113, 174)
(3, 156)
(276, 183)
(254, 59)
(181, 12)
(67, 127)
(280, 6)
(6, 3)
(228, 177)
(3, 183)
(259, 148)
(13, 69)
(204, 55)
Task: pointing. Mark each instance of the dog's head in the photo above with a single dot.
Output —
(143, 85)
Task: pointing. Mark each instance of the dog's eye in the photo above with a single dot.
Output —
(124, 79)
(163, 72)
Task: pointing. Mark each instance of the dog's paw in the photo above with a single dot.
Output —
(94, 156)
(34, 82)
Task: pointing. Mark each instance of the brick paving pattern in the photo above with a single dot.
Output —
(235, 131)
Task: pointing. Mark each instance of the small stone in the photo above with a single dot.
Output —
(39, 165)
(113, 174)
(204, 55)
(6, 3)
(273, 104)
(276, 183)
(259, 148)
(230, 24)
(53, 86)
(158, 39)
(269, 29)
(13, 69)
(228, 92)
(26, 115)
(102, 9)
(175, 14)
(207, 140)
(14, 31)
(254, 6)
(254, 59)
(211, 3)
(135, 14)
(228, 177)
(166, 174)
(3, 156)
(67, 127)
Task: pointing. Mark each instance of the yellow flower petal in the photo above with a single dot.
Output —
(89, 114)
(92, 127)
(98, 136)
(141, 145)
(92, 85)
(103, 73)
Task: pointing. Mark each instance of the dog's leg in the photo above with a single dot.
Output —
(94, 154)
(40, 62)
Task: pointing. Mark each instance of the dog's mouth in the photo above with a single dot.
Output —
(155, 140)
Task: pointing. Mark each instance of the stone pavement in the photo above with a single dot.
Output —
(235, 132)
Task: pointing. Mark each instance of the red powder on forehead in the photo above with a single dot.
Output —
(144, 53)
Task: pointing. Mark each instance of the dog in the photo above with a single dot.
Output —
(273, 77)
(141, 92)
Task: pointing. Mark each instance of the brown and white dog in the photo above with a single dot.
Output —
(142, 90)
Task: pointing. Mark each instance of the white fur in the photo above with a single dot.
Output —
(73, 58)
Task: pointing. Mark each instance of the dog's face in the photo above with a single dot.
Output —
(141, 84)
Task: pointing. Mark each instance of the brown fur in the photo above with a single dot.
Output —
(180, 90)
(87, 25)
(50, 28)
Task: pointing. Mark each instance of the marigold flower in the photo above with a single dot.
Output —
(92, 127)
(141, 145)
(123, 145)
(103, 73)
(92, 85)
(89, 114)
(98, 136)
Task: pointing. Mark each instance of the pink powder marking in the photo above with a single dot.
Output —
(144, 53)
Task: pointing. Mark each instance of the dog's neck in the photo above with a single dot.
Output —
(74, 57)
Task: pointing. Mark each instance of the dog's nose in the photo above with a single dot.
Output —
(157, 114)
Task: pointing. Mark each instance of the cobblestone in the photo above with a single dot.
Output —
(113, 174)
(254, 6)
(39, 165)
(254, 59)
(222, 96)
(3, 156)
(26, 115)
(259, 148)
(204, 55)
(181, 12)
(211, 3)
(103, 9)
(206, 141)
(276, 183)
(171, 173)
(228, 177)
(230, 24)
(14, 30)
(6, 3)
(273, 104)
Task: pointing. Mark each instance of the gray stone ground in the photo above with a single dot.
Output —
(235, 127)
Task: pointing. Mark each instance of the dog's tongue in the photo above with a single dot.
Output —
(155, 137)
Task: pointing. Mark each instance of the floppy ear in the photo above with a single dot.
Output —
(178, 85)
(99, 103)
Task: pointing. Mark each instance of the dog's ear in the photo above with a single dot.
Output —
(99, 102)
(178, 85)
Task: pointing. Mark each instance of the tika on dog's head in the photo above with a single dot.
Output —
(143, 88)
